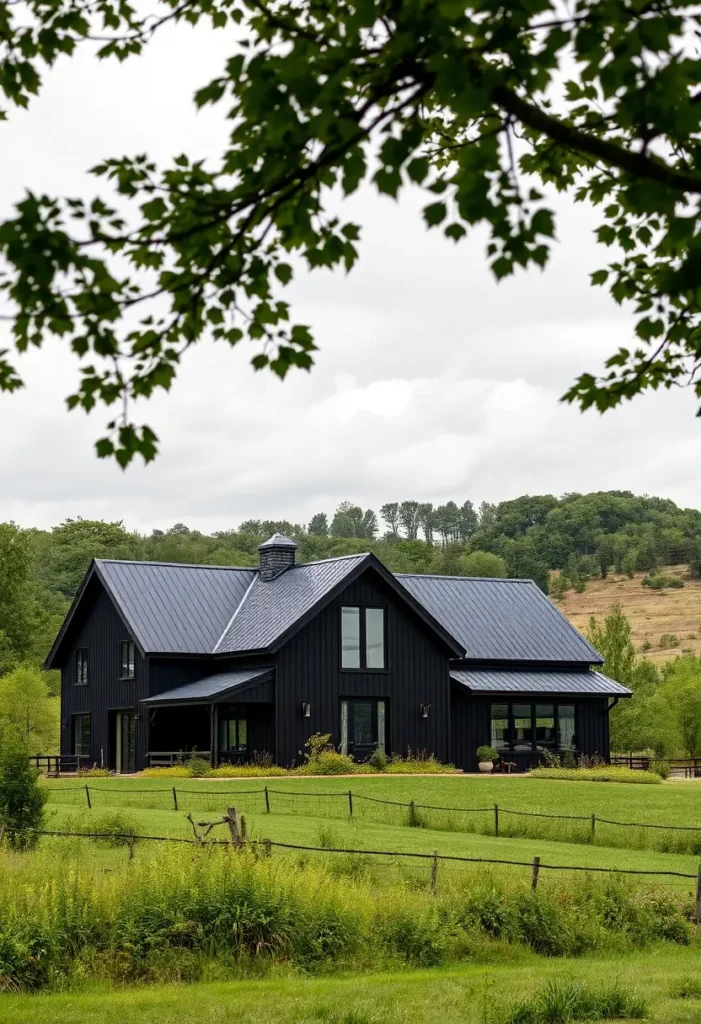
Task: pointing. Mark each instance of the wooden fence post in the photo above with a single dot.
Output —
(267, 801)
(593, 826)
(350, 802)
(131, 844)
(536, 870)
(698, 897)
(87, 795)
(2, 833)
(268, 847)
(175, 799)
(434, 872)
(496, 819)
(232, 822)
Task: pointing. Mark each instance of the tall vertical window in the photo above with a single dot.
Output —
(363, 638)
(565, 726)
(81, 667)
(522, 727)
(350, 637)
(545, 725)
(81, 735)
(500, 726)
(128, 659)
(233, 735)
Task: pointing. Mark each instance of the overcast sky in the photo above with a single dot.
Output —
(432, 381)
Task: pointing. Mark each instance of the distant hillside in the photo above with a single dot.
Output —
(652, 613)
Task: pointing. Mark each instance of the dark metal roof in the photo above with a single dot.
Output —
(501, 620)
(211, 689)
(581, 684)
(270, 608)
(173, 608)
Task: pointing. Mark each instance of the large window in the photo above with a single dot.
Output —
(363, 638)
(363, 727)
(233, 735)
(81, 667)
(128, 659)
(522, 727)
(81, 735)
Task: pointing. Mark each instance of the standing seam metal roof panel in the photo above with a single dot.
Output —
(175, 609)
(500, 619)
(270, 608)
(210, 688)
(591, 684)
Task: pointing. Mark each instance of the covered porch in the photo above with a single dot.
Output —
(225, 718)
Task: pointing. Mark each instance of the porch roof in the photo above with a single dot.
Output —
(211, 689)
(535, 681)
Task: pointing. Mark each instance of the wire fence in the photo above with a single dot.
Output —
(493, 819)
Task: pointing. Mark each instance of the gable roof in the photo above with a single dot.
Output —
(500, 619)
(527, 681)
(273, 609)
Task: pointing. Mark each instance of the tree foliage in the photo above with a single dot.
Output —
(21, 797)
(29, 713)
(480, 106)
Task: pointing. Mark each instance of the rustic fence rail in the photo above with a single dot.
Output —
(400, 854)
(350, 799)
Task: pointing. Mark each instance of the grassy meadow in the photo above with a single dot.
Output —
(672, 803)
(298, 937)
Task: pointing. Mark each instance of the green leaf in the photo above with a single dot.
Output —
(434, 214)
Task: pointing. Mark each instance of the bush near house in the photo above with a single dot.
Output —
(605, 774)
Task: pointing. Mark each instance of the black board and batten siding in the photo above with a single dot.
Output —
(101, 633)
(472, 725)
(308, 670)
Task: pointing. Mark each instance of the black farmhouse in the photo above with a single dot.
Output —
(158, 658)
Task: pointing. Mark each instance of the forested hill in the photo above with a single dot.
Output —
(581, 535)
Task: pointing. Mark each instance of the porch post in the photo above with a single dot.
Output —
(214, 734)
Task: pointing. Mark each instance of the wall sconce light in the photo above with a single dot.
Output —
(425, 708)
(306, 710)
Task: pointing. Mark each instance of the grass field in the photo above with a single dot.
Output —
(477, 993)
(651, 613)
(672, 803)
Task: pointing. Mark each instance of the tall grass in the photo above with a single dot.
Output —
(193, 913)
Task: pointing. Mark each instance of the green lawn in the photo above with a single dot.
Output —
(477, 993)
(673, 803)
(358, 835)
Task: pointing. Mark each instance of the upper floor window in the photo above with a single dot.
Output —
(363, 637)
(81, 667)
(128, 659)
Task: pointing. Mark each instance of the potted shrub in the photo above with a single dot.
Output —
(486, 756)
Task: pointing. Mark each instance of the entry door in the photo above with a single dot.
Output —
(126, 741)
(363, 727)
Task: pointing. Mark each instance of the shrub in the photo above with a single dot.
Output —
(660, 768)
(94, 773)
(646, 645)
(668, 640)
(419, 766)
(604, 774)
(662, 581)
(378, 761)
(198, 768)
(487, 754)
(569, 760)
(549, 759)
(245, 771)
(176, 771)
(22, 799)
(113, 828)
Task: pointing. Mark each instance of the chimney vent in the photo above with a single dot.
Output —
(276, 555)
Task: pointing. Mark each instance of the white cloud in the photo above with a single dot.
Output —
(432, 381)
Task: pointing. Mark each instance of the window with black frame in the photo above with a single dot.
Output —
(522, 727)
(363, 638)
(233, 736)
(81, 735)
(81, 667)
(363, 727)
(128, 659)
